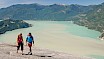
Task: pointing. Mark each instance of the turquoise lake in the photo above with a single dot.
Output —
(63, 36)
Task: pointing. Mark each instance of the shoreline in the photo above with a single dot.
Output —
(10, 25)
(52, 36)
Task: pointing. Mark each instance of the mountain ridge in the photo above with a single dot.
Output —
(43, 12)
(93, 19)
(91, 16)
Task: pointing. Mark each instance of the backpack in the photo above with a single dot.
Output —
(29, 39)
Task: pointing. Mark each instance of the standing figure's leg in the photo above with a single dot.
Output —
(30, 51)
(22, 47)
(30, 45)
(18, 47)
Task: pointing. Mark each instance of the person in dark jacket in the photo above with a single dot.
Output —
(29, 41)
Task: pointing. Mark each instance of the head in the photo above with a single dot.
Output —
(29, 34)
(20, 35)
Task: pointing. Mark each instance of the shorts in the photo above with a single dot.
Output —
(30, 44)
(20, 44)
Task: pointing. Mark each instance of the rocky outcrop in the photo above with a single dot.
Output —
(8, 51)
(102, 35)
(9, 25)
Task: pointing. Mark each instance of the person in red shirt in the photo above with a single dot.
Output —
(20, 42)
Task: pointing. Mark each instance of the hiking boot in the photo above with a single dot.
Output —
(30, 53)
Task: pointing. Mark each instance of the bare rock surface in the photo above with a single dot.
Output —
(8, 51)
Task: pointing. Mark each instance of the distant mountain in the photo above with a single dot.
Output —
(93, 19)
(8, 25)
(91, 16)
(42, 12)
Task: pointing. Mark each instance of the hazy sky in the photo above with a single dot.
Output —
(6, 3)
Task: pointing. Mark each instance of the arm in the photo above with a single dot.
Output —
(22, 40)
(26, 40)
(17, 42)
(17, 39)
(33, 39)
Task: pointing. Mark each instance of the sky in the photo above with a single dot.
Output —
(6, 3)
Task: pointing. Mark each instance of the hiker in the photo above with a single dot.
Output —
(29, 41)
(20, 42)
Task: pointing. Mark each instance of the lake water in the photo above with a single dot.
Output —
(61, 36)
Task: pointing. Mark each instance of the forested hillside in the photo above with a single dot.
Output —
(91, 16)
(9, 25)
(93, 19)
(42, 12)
